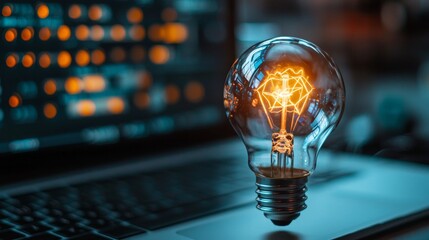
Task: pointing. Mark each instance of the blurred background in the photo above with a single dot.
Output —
(99, 72)
(381, 48)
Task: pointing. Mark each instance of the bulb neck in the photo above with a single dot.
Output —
(281, 199)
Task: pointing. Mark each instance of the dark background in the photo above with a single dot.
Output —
(381, 48)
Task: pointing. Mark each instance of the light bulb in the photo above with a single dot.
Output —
(283, 97)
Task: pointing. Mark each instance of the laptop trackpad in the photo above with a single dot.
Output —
(329, 214)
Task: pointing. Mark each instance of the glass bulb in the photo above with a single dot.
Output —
(283, 97)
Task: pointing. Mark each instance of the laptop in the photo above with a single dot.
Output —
(112, 127)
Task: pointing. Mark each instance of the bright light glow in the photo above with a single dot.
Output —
(27, 33)
(63, 33)
(42, 11)
(284, 91)
(49, 110)
(10, 35)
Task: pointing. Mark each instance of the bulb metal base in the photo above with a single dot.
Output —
(281, 200)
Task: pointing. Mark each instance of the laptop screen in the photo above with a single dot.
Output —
(101, 72)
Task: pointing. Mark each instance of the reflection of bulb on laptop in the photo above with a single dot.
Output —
(283, 96)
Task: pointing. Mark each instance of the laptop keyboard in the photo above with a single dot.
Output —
(130, 205)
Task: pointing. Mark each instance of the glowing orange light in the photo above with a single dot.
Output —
(75, 11)
(115, 105)
(194, 91)
(94, 83)
(50, 87)
(85, 108)
(73, 85)
(42, 11)
(44, 34)
(117, 32)
(12, 60)
(118, 54)
(82, 58)
(10, 35)
(175, 33)
(98, 57)
(82, 32)
(28, 60)
(27, 33)
(135, 15)
(50, 110)
(97, 32)
(284, 91)
(159, 54)
(137, 32)
(95, 12)
(64, 59)
(169, 14)
(63, 33)
(172, 94)
(6, 11)
(44, 60)
(15, 101)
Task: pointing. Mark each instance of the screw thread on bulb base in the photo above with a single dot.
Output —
(281, 200)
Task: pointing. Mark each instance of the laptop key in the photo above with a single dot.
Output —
(35, 228)
(122, 231)
(72, 231)
(10, 234)
(44, 236)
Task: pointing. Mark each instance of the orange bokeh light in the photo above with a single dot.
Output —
(28, 60)
(95, 12)
(85, 108)
(82, 32)
(75, 11)
(137, 32)
(194, 91)
(97, 32)
(94, 83)
(135, 15)
(12, 60)
(10, 35)
(44, 34)
(6, 11)
(115, 105)
(63, 33)
(49, 110)
(50, 87)
(98, 57)
(27, 33)
(159, 54)
(82, 58)
(117, 32)
(42, 11)
(73, 85)
(175, 33)
(64, 59)
(44, 60)
(15, 101)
